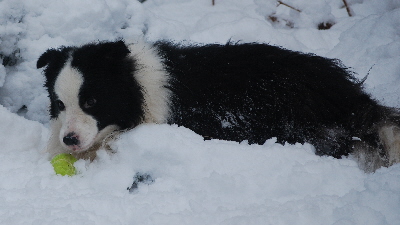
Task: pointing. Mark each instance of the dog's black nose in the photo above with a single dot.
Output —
(71, 139)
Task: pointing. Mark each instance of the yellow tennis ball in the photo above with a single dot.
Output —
(63, 164)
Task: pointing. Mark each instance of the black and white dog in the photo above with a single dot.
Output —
(233, 92)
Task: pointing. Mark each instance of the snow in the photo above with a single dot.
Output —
(196, 181)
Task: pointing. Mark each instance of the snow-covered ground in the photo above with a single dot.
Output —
(196, 181)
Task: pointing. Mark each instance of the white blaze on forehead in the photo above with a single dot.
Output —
(73, 119)
(68, 84)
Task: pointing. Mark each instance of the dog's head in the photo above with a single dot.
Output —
(92, 92)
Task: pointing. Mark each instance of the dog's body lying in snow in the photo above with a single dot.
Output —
(233, 92)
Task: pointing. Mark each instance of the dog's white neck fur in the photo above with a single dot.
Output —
(152, 78)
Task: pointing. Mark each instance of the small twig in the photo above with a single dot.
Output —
(347, 8)
(282, 3)
(213, 2)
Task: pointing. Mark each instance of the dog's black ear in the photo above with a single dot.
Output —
(116, 50)
(121, 46)
(46, 58)
(52, 55)
(99, 55)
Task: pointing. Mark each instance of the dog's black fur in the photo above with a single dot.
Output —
(236, 92)
(255, 92)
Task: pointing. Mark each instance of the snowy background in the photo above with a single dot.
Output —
(196, 181)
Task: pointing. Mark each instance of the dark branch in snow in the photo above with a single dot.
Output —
(347, 8)
(282, 3)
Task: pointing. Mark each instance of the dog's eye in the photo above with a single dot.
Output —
(89, 103)
(60, 105)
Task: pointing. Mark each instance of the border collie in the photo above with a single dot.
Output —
(234, 92)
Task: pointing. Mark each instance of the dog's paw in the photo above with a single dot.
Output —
(140, 178)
